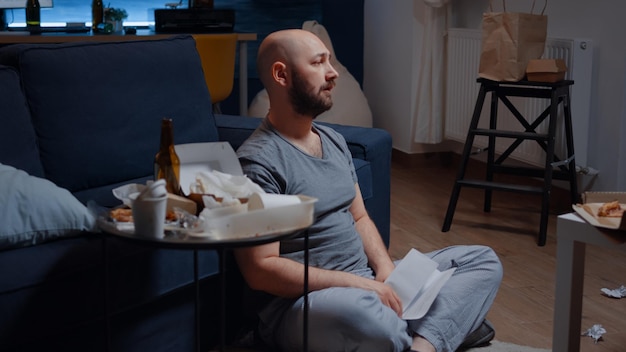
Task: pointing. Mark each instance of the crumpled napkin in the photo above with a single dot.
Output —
(127, 193)
(227, 201)
(616, 293)
(224, 185)
(595, 332)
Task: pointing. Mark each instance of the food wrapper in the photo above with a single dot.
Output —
(224, 185)
(127, 193)
(226, 201)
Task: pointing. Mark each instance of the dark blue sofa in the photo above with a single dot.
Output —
(86, 116)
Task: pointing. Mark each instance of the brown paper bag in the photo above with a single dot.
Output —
(510, 41)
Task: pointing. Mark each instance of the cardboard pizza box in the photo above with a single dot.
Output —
(592, 201)
(546, 70)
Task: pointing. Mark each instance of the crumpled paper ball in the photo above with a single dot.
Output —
(595, 332)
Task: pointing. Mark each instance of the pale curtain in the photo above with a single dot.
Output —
(428, 116)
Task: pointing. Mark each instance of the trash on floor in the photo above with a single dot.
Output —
(616, 293)
(595, 332)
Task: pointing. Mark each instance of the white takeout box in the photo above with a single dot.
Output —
(199, 157)
(284, 219)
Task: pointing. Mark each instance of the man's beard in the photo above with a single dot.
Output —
(306, 103)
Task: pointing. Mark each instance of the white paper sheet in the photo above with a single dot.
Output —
(417, 281)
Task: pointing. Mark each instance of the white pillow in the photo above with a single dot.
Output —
(350, 106)
(34, 210)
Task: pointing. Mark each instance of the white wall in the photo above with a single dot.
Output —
(392, 44)
(389, 63)
(621, 169)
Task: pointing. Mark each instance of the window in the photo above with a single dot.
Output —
(251, 15)
(140, 12)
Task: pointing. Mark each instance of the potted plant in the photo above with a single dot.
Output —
(115, 16)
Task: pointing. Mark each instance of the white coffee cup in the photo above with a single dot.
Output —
(149, 216)
(269, 200)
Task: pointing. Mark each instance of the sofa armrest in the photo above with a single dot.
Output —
(365, 143)
(370, 144)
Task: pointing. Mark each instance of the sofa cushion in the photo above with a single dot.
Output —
(34, 210)
(18, 146)
(97, 107)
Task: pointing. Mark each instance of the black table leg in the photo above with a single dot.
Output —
(222, 259)
(222, 268)
(305, 316)
(197, 298)
(107, 319)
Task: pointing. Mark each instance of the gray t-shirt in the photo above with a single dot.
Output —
(278, 166)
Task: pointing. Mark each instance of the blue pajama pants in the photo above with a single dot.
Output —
(352, 319)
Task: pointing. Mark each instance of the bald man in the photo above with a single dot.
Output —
(351, 309)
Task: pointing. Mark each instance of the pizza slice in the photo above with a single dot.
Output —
(611, 210)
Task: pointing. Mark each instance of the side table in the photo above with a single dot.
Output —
(573, 234)
(182, 240)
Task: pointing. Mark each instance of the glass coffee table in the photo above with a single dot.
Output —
(236, 233)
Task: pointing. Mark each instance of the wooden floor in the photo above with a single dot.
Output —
(523, 309)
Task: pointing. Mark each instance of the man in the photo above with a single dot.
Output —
(351, 309)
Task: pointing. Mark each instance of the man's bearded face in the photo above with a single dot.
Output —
(309, 100)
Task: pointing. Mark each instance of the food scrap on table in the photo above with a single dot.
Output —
(611, 210)
(121, 214)
(126, 215)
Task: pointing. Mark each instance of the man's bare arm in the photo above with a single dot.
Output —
(264, 270)
(374, 246)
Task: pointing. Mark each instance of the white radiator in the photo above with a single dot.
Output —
(463, 54)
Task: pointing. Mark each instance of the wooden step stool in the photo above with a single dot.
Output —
(559, 94)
